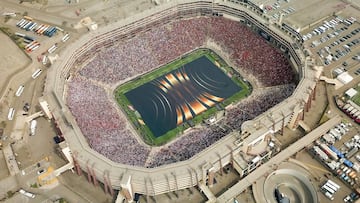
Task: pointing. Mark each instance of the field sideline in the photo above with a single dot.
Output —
(133, 116)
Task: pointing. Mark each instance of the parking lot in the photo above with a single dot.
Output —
(337, 150)
(335, 40)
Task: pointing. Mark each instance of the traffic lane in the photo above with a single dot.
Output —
(18, 103)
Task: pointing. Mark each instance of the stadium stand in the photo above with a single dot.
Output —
(113, 138)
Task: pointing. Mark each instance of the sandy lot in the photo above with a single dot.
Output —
(12, 59)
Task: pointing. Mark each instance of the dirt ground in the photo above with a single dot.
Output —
(3, 168)
(12, 59)
(309, 11)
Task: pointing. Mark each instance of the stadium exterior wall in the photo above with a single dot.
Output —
(185, 174)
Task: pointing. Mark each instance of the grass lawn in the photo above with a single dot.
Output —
(134, 117)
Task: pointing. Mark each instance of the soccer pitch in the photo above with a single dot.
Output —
(161, 104)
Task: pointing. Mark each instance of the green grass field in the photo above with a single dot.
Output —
(356, 98)
(143, 130)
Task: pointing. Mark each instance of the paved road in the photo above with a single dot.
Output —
(282, 156)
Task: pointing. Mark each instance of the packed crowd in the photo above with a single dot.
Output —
(159, 46)
(144, 52)
(258, 102)
(251, 52)
(92, 107)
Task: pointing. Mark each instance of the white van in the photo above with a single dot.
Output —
(36, 73)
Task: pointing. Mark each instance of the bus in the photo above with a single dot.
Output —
(334, 184)
(46, 30)
(331, 186)
(52, 49)
(28, 194)
(60, 29)
(20, 21)
(41, 28)
(328, 189)
(20, 90)
(38, 27)
(29, 38)
(11, 114)
(19, 34)
(23, 23)
(329, 196)
(26, 24)
(30, 45)
(44, 60)
(27, 41)
(28, 18)
(32, 26)
(65, 38)
(10, 14)
(50, 32)
(40, 32)
(36, 73)
(33, 46)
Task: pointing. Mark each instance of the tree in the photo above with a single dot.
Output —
(7, 18)
(10, 193)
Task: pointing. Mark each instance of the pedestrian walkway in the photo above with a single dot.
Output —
(10, 160)
(34, 116)
(335, 82)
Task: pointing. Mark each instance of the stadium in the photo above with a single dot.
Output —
(107, 146)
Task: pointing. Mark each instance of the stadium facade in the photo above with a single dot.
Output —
(200, 169)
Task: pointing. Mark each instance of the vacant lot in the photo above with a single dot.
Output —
(12, 60)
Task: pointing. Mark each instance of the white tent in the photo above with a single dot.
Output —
(345, 78)
(351, 92)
